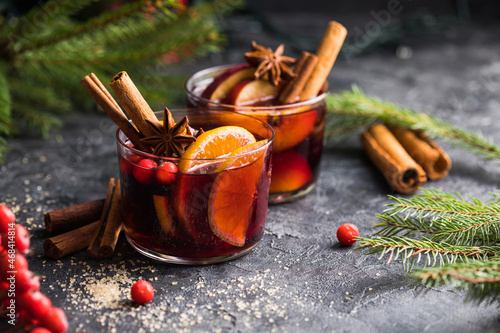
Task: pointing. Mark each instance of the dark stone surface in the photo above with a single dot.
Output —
(298, 279)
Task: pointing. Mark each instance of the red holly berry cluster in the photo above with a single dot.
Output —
(20, 298)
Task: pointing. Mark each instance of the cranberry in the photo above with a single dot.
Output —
(165, 174)
(142, 292)
(144, 171)
(26, 280)
(36, 304)
(347, 233)
(55, 321)
(127, 164)
(40, 330)
(20, 236)
(7, 219)
(22, 239)
(12, 263)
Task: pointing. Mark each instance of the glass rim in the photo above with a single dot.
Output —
(206, 71)
(219, 158)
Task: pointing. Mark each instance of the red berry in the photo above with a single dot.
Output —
(165, 174)
(22, 239)
(36, 304)
(20, 236)
(40, 330)
(4, 285)
(144, 171)
(26, 280)
(55, 321)
(142, 292)
(347, 233)
(127, 164)
(7, 219)
(12, 263)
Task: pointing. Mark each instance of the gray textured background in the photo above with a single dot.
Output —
(298, 279)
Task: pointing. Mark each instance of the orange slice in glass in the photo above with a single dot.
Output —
(220, 141)
(164, 214)
(234, 191)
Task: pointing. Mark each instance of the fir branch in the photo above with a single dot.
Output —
(30, 26)
(5, 105)
(411, 250)
(432, 202)
(34, 119)
(119, 24)
(355, 104)
(481, 279)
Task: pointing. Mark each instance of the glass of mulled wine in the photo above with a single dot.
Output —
(199, 210)
(298, 127)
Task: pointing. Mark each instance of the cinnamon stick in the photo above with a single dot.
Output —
(134, 104)
(303, 69)
(111, 107)
(399, 169)
(69, 218)
(327, 53)
(61, 245)
(425, 151)
(110, 224)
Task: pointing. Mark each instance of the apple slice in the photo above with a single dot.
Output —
(222, 84)
(252, 92)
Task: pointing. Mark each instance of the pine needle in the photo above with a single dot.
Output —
(353, 110)
(445, 238)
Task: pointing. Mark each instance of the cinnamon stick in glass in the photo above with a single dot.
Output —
(111, 107)
(67, 243)
(402, 172)
(425, 151)
(327, 53)
(303, 69)
(69, 218)
(110, 224)
(134, 104)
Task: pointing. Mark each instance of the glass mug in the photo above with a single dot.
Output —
(198, 214)
(298, 142)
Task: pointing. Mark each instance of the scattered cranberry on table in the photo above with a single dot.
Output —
(20, 298)
(347, 233)
(142, 292)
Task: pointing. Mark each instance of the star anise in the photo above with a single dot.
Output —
(171, 138)
(273, 63)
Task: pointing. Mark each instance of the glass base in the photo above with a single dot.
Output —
(185, 260)
(277, 198)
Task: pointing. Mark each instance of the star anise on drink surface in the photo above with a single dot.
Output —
(273, 63)
(171, 138)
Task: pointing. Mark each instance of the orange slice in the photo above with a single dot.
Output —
(231, 200)
(291, 171)
(291, 129)
(214, 143)
(165, 215)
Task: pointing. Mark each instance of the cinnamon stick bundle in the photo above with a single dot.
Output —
(400, 170)
(425, 151)
(134, 103)
(110, 224)
(111, 107)
(327, 53)
(67, 243)
(69, 218)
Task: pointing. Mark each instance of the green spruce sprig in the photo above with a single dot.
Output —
(480, 278)
(46, 53)
(435, 228)
(352, 110)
